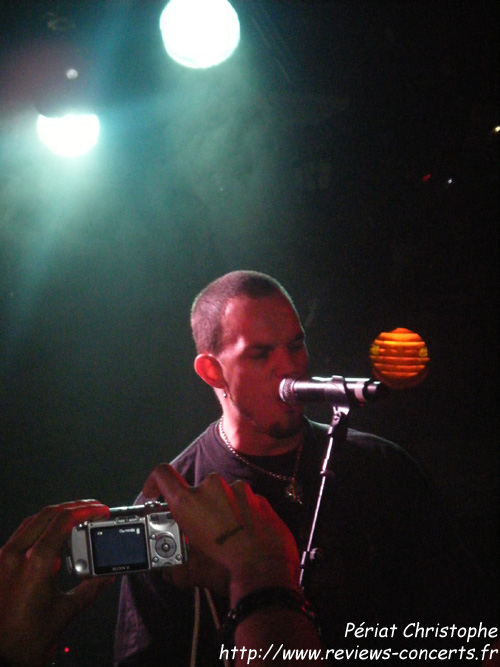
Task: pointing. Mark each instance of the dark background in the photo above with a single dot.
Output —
(347, 148)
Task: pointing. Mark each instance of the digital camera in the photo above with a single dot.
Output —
(133, 539)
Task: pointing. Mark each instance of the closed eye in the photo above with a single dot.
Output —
(261, 352)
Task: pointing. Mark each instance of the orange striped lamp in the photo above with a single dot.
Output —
(399, 358)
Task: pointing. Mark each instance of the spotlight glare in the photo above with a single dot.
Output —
(70, 135)
(199, 33)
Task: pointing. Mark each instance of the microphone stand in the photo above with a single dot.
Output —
(337, 433)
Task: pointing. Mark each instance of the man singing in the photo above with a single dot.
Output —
(383, 556)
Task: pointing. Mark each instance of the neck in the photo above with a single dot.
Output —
(247, 439)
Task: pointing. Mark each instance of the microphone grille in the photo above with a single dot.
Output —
(286, 390)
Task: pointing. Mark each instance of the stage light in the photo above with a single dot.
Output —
(199, 33)
(70, 135)
(399, 358)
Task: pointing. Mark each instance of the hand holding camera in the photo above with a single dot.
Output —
(33, 611)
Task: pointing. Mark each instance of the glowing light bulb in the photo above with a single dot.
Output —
(399, 358)
(199, 33)
(69, 135)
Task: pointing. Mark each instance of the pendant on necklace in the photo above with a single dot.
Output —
(293, 492)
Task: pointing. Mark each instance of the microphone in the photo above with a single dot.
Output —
(336, 390)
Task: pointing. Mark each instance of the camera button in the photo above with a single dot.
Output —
(165, 546)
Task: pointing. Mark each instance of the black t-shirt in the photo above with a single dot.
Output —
(384, 554)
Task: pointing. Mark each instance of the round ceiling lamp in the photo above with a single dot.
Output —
(70, 135)
(199, 33)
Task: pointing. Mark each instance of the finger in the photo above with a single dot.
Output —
(88, 510)
(166, 481)
(33, 527)
(260, 517)
(47, 548)
(30, 530)
(15, 538)
(68, 516)
(248, 501)
(216, 490)
(202, 512)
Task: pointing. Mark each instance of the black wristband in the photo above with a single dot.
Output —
(266, 597)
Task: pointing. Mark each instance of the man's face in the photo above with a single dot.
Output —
(263, 342)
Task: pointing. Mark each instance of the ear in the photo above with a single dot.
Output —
(209, 369)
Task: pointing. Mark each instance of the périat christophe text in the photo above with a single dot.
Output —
(418, 630)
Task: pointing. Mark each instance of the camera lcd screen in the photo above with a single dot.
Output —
(119, 548)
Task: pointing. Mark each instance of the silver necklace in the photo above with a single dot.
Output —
(293, 490)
